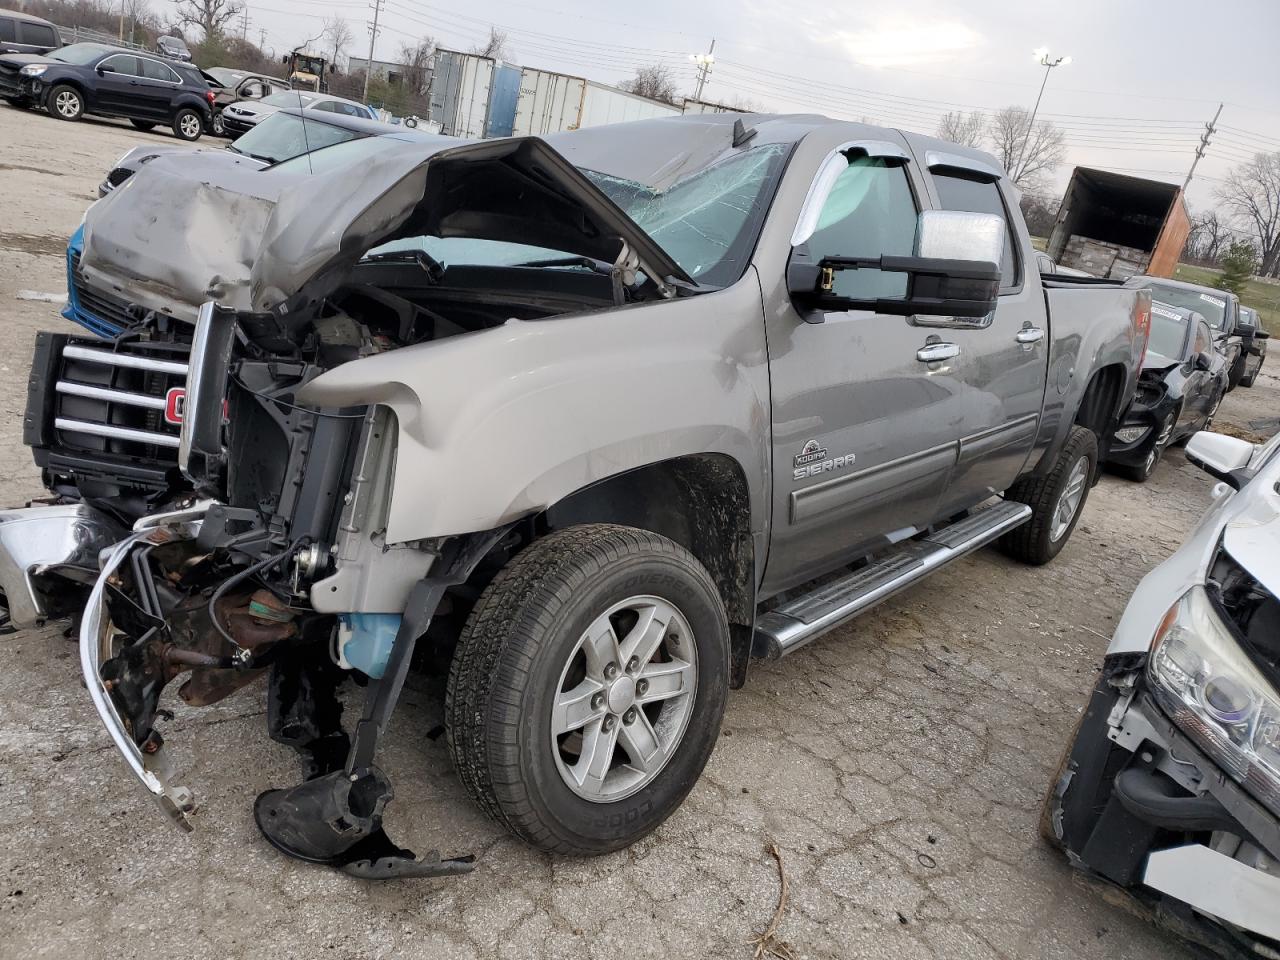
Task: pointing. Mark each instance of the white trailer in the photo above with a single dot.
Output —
(461, 85)
(550, 102)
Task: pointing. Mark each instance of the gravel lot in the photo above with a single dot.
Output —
(897, 764)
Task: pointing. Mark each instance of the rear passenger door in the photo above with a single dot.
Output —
(1002, 364)
(153, 94)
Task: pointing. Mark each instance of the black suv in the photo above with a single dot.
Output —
(142, 88)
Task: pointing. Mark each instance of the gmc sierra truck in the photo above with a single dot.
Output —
(592, 420)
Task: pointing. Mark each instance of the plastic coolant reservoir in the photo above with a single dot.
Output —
(365, 640)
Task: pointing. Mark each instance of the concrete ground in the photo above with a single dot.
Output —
(898, 764)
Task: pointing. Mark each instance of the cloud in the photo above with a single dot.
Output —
(900, 42)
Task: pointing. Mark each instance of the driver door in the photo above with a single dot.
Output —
(864, 427)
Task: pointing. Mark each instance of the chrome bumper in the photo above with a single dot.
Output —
(151, 769)
(33, 540)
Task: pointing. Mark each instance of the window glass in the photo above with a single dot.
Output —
(1248, 317)
(328, 106)
(38, 34)
(81, 54)
(125, 66)
(1204, 339)
(6, 30)
(981, 196)
(154, 70)
(288, 98)
(1212, 305)
(870, 212)
(1168, 332)
(282, 136)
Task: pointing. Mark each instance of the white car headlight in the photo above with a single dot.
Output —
(33, 69)
(1213, 691)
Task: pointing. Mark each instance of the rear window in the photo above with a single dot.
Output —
(6, 30)
(39, 34)
(154, 70)
(981, 196)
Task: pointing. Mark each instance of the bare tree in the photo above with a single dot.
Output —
(416, 59)
(1251, 193)
(1208, 238)
(1028, 158)
(495, 46)
(209, 15)
(968, 130)
(654, 82)
(337, 36)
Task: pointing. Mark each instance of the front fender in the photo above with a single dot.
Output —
(502, 423)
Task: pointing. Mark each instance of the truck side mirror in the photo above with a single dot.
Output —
(954, 273)
(1220, 456)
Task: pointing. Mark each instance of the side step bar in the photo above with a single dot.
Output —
(789, 627)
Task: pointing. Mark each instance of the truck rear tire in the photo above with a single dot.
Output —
(1056, 499)
(587, 689)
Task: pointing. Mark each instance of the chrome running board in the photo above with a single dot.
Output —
(789, 627)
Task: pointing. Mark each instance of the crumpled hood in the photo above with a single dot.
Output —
(190, 228)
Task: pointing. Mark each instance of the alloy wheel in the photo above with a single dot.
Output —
(190, 126)
(1069, 499)
(67, 104)
(624, 699)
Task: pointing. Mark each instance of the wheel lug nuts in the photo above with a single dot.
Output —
(609, 723)
(611, 671)
(597, 701)
(633, 665)
(629, 716)
(642, 687)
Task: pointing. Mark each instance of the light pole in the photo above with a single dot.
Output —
(1042, 57)
(705, 61)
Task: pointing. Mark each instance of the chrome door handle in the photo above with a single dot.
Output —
(1029, 335)
(934, 352)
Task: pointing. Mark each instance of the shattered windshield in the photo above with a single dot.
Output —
(707, 222)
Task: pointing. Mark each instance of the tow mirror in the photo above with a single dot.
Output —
(1220, 456)
(954, 273)
(1203, 362)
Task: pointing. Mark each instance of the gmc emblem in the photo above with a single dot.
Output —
(175, 402)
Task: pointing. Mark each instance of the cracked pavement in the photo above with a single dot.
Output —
(898, 763)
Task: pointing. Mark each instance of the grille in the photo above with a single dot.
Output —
(112, 313)
(114, 402)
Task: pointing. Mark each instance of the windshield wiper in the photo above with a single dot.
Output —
(596, 266)
(429, 264)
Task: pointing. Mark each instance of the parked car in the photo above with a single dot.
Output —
(1183, 380)
(175, 48)
(23, 33)
(1220, 307)
(108, 82)
(1254, 337)
(232, 85)
(270, 142)
(606, 407)
(1171, 785)
(242, 115)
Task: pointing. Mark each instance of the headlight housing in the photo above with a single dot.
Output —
(1131, 434)
(1211, 689)
(33, 69)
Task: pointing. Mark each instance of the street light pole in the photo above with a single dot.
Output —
(1043, 58)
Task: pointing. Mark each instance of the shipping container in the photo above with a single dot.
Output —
(1113, 225)
(691, 105)
(502, 100)
(461, 85)
(551, 102)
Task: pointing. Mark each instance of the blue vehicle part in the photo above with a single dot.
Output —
(73, 310)
(365, 640)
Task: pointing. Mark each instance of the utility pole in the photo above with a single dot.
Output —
(1210, 129)
(244, 24)
(122, 3)
(704, 62)
(373, 36)
(1043, 58)
(262, 38)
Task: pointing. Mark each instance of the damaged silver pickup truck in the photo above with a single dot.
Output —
(592, 420)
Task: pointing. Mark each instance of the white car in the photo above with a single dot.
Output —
(1171, 787)
(241, 116)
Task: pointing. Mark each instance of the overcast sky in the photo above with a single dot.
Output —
(1146, 74)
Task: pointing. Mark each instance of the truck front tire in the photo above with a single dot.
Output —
(588, 686)
(1056, 499)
